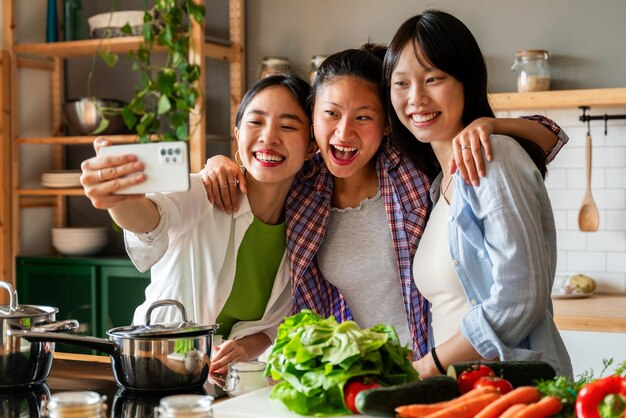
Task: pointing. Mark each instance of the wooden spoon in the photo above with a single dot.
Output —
(588, 216)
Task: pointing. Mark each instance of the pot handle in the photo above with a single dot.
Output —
(94, 343)
(166, 302)
(66, 325)
(12, 295)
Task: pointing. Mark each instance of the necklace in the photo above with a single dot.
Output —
(446, 188)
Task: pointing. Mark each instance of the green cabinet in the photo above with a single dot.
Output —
(101, 293)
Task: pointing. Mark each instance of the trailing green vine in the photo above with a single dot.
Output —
(165, 94)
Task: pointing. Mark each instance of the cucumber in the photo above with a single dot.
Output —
(518, 373)
(382, 402)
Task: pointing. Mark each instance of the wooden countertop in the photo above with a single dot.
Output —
(599, 312)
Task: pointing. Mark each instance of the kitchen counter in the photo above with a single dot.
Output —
(599, 312)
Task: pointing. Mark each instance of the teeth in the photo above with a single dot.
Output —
(263, 156)
(424, 117)
(344, 149)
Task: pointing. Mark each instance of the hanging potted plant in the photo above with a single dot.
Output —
(167, 92)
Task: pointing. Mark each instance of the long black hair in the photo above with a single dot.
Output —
(296, 85)
(448, 45)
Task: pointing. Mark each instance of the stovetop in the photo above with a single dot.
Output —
(73, 375)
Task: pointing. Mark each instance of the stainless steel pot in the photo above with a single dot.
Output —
(151, 357)
(24, 363)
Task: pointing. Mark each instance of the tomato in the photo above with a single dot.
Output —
(503, 385)
(469, 377)
(353, 387)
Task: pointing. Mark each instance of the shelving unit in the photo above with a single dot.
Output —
(6, 261)
(50, 57)
(559, 99)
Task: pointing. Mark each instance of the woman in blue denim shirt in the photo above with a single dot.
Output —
(487, 258)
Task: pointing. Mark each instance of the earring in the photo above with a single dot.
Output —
(312, 134)
(239, 162)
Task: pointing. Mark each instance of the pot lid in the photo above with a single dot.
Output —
(15, 310)
(169, 330)
(185, 329)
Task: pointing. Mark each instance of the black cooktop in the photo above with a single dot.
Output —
(71, 375)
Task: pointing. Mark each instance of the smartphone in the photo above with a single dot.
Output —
(166, 166)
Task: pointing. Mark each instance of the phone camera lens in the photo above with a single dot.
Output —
(162, 151)
(167, 159)
(170, 151)
(177, 151)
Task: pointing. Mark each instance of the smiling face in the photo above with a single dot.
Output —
(273, 136)
(428, 101)
(349, 124)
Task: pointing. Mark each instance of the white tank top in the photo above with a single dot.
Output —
(358, 258)
(436, 278)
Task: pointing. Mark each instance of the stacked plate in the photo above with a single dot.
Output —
(61, 178)
(79, 241)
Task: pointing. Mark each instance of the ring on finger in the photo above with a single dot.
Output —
(100, 175)
(235, 182)
(466, 146)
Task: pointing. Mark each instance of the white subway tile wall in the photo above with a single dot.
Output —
(601, 254)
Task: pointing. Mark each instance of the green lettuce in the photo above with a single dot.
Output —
(313, 358)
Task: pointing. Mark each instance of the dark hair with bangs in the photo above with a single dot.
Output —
(449, 46)
(365, 63)
(296, 85)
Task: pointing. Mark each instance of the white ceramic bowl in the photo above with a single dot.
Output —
(79, 241)
(110, 24)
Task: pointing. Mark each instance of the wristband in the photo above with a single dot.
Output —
(437, 362)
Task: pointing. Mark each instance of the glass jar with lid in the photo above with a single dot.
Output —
(533, 71)
(185, 406)
(82, 404)
(274, 65)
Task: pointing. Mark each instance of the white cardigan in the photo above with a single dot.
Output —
(192, 255)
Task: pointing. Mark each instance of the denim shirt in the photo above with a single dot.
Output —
(503, 246)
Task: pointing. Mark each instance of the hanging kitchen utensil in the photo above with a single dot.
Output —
(24, 363)
(151, 357)
(588, 216)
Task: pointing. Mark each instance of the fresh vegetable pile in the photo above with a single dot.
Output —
(486, 394)
(314, 358)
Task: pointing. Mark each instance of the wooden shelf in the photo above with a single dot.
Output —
(51, 192)
(118, 45)
(559, 99)
(77, 140)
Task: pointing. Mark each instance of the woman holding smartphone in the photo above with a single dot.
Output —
(228, 269)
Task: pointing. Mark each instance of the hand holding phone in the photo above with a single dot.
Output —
(166, 166)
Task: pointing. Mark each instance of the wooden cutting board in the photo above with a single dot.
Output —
(257, 404)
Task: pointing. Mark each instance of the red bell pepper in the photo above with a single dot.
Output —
(590, 396)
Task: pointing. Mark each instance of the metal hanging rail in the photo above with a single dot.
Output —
(588, 118)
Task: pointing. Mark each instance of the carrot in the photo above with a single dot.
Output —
(467, 409)
(421, 410)
(522, 394)
(546, 407)
(509, 413)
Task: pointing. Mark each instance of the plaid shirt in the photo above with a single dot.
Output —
(405, 193)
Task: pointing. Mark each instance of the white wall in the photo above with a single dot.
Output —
(601, 254)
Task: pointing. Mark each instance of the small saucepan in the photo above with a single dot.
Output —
(24, 363)
(151, 357)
